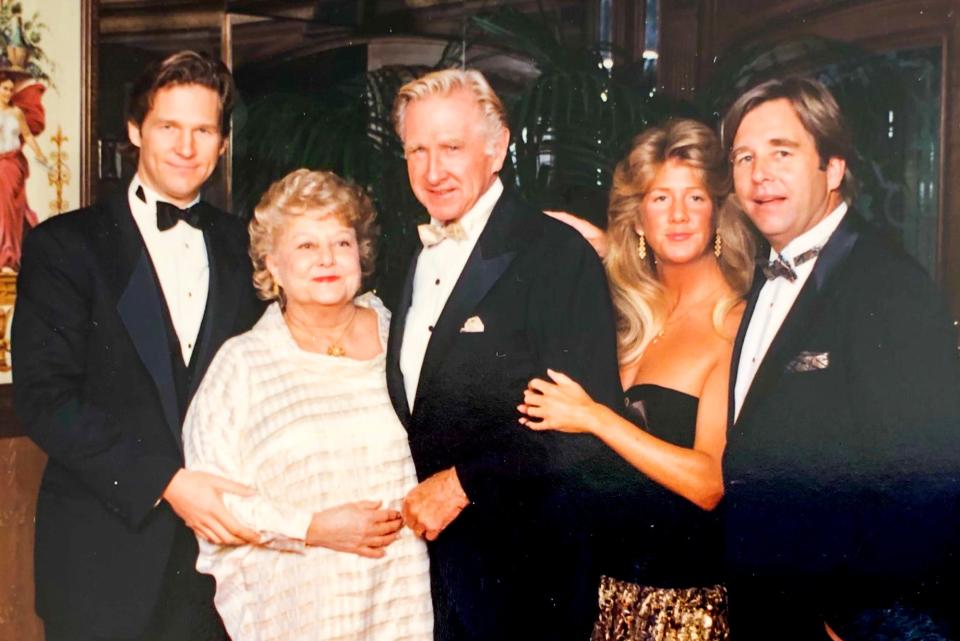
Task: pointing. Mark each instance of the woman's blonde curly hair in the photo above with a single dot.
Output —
(321, 193)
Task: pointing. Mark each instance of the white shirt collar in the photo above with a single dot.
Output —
(816, 236)
(151, 196)
(476, 217)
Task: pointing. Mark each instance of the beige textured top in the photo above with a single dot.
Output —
(308, 432)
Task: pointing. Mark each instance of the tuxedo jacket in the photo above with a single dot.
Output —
(513, 563)
(94, 388)
(841, 470)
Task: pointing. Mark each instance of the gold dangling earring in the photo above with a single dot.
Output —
(275, 290)
(641, 246)
(717, 245)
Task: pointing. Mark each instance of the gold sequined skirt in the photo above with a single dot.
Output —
(631, 612)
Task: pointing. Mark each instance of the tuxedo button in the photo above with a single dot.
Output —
(430, 328)
(436, 282)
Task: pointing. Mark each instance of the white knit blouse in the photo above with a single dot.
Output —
(307, 431)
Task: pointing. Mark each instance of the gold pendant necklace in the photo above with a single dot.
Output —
(336, 348)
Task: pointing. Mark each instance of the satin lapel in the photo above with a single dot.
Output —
(223, 294)
(140, 308)
(805, 311)
(758, 281)
(489, 259)
(398, 322)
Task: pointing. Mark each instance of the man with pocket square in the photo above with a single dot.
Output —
(841, 466)
(498, 293)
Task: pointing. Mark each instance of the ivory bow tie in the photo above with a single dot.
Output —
(780, 266)
(430, 234)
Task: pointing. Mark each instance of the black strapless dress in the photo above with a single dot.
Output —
(662, 575)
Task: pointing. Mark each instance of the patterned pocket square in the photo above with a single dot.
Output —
(809, 362)
(473, 326)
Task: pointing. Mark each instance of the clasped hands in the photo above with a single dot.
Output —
(433, 504)
(361, 527)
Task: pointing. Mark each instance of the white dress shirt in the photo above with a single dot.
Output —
(438, 269)
(179, 257)
(776, 299)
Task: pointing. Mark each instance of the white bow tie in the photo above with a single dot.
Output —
(430, 234)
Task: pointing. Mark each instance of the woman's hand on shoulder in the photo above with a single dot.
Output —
(360, 528)
(590, 232)
(559, 404)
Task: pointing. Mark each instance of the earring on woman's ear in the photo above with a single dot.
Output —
(641, 246)
(275, 290)
(717, 245)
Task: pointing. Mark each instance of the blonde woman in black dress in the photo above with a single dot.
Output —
(679, 263)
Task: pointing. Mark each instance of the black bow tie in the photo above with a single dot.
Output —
(169, 214)
(779, 266)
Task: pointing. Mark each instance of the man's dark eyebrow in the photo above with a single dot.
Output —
(776, 142)
(784, 142)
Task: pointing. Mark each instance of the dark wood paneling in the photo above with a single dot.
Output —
(9, 425)
(21, 463)
(628, 28)
(679, 46)
(89, 158)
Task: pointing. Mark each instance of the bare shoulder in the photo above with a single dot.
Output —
(721, 343)
(731, 323)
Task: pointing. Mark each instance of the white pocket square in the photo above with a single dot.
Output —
(473, 326)
(809, 362)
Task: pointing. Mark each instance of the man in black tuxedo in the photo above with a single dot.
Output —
(841, 466)
(499, 293)
(120, 308)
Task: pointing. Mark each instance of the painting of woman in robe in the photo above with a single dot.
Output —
(21, 118)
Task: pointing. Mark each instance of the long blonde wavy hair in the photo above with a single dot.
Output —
(638, 295)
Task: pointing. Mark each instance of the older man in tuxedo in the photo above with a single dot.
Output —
(498, 293)
(841, 466)
(121, 307)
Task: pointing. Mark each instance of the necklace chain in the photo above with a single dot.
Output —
(674, 317)
(336, 347)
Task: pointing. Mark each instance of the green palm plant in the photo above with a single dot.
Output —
(570, 123)
(573, 121)
(346, 129)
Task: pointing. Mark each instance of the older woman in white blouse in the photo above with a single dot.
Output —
(297, 409)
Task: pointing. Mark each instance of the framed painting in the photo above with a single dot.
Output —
(47, 53)
(46, 67)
